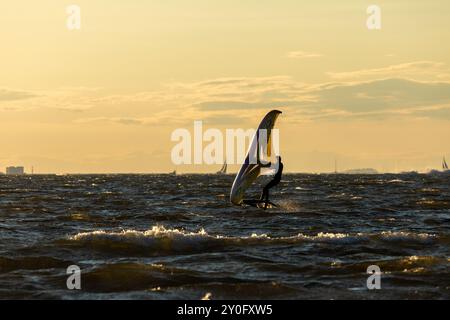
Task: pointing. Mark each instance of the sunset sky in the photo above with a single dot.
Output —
(107, 97)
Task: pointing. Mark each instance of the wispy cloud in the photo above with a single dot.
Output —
(380, 99)
(411, 70)
(141, 121)
(14, 95)
(66, 99)
(125, 121)
(353, 94)
(302, 54)
(373, 99)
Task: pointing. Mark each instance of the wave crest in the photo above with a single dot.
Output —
(160, 240)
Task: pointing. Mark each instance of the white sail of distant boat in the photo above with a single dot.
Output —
(223, 170)
(250, 171)
(444, 164)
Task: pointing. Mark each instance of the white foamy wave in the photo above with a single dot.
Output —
(320, 237)
(160, 239)
(406, 236)
(398, 181)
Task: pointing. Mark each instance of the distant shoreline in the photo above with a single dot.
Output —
(212, 173)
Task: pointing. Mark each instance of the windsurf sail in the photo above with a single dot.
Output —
(444, 164)
(250, 170)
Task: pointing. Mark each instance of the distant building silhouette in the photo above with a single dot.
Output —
(15, 170)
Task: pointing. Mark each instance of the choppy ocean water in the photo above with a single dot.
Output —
(177, 237)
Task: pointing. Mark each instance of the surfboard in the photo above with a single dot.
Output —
(261, 204)
(250, 171)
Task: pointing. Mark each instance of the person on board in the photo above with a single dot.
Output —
(272, 183)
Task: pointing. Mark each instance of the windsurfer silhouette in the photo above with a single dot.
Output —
(272, 183)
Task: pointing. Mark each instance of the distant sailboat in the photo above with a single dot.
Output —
(223, 170)
(444, 168)
(173, 173)
(444, 165)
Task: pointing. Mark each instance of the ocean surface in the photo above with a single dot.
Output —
(178, 237)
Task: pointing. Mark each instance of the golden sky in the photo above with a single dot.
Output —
(107, 97)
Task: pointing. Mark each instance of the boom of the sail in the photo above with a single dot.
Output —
(250, 169)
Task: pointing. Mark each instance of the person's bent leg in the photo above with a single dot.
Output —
(266, 199)
(264, 193)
